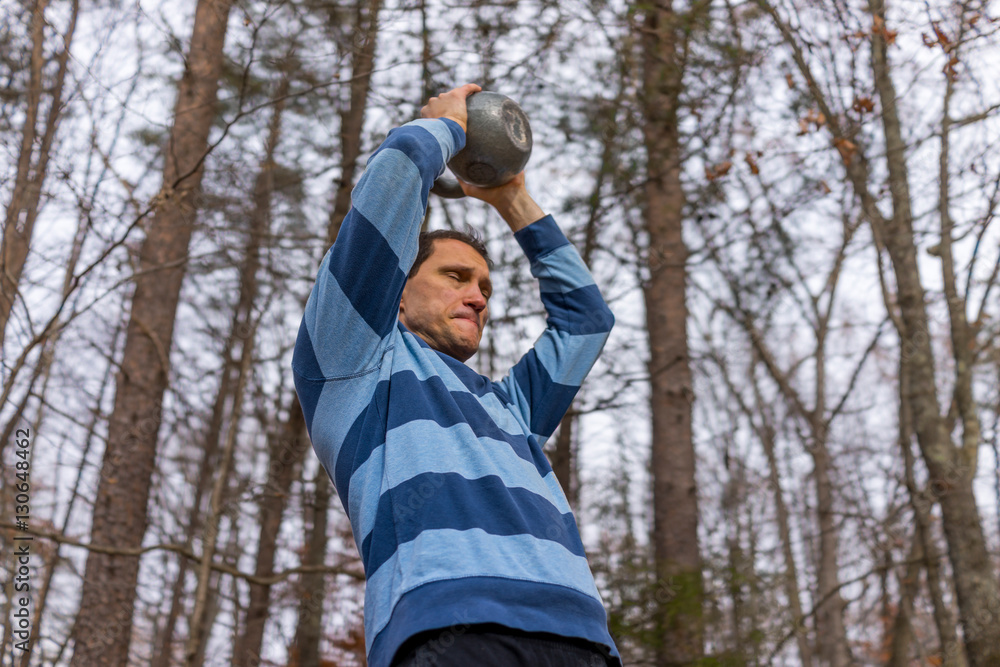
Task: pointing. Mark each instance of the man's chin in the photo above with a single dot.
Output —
(464, 349)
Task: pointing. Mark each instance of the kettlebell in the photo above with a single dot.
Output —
(497, 145)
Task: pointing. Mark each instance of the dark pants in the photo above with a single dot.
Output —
(495, 646)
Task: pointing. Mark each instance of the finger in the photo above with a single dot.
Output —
(467, 89)
(468, 188)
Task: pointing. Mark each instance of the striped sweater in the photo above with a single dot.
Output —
(455, 510)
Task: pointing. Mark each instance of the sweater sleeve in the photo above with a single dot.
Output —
(543, 383)
(354, 304)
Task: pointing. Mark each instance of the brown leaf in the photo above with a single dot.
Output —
(825, 187)
(878, 28)
(847, 149)
(863, 105)
(718, 171)
(942, 37)
(949, 68)
(789, 80)
(752, 163)
(815, 116)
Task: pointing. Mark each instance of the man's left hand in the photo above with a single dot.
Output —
(511, 201)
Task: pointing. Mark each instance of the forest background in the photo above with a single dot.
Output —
(788, 453)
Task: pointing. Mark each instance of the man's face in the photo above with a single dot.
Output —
(446, 302)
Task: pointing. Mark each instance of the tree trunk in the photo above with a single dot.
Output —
(204, 605)
(952, 652)
(562, 456)
(289, 448)
(309, 630)
(951, 468)
(104, 624)
(19, 220)
(286, 450)
(679, 620)
(259, 230)
(352, 121)
(830, 630)
(900, 641)
(791, 576)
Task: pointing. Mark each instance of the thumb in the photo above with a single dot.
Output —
(468, 89)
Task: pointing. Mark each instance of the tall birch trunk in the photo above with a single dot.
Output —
(104, 621)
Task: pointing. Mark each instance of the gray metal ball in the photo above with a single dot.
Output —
(497, 146)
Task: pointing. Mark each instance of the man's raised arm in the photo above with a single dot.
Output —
(354, 305)
(543, 383)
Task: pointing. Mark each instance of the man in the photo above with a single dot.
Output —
(471, 552)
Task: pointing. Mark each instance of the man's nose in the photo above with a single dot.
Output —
(474, 299)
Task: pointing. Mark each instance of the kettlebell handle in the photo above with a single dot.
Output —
(448, 187)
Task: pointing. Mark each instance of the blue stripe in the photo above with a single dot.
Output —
(304, 356)
(367, 270)
(567, 358)
(448, 133)
(561, 270)
(343, 343)
(431, 399)
(415, 399)
(480, 385)
(540, 237)
(451, 554)
(435, 363)
(434, 501)
(535, 382)
(521, 605)
(366, 433)
(456, 131)
(455, 450)
(391, 194)
(305, 365)
(423, 150)
(581, 311)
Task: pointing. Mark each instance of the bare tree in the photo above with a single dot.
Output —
(951, 465)
(289, 445)
(104, 620)
(675, 499)
(33, 160)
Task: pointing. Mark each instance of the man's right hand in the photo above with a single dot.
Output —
(451, 104)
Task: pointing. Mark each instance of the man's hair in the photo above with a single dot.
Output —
(426, 246)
